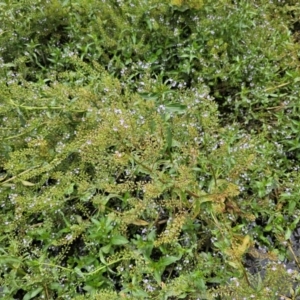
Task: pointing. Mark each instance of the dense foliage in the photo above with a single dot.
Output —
(149, 149)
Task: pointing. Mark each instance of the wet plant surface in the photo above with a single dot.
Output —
(149, 150)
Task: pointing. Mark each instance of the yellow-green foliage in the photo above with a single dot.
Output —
(79, 150)
(192, 4)
(136, 155)
(275, 282)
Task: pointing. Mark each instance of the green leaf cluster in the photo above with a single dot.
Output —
(148, 148)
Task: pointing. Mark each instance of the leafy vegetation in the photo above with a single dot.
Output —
(149, 149)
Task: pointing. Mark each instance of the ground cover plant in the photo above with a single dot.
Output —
(149, 149)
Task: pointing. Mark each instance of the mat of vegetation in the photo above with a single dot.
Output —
(149, 149)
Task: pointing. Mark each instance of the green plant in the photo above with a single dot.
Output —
(146, 162)
(275, 283)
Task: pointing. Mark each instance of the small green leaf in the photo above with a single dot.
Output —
(6, 259)
(233, 264)
(176, 108)
(2, 176)
(101, 256)
(268, 227)
(292, 205)
(157, 276)
(78, 272)
(69, 189)
(149, 96)
(32, 293)
(106, 249)
(168, 260)
(176, 143)
(96, 222)
(27, 183)
(7, 184)
(119, 240)
(8, 65)
(288, 234)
